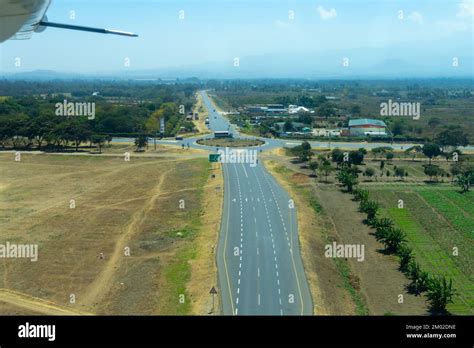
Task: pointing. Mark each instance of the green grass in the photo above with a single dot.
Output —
(178, 273)
(453, 212)
(435, 220)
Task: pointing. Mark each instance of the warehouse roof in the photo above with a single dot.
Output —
(366, 121)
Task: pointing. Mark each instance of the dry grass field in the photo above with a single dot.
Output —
(125, 248)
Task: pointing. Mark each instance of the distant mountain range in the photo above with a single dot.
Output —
(403, 61)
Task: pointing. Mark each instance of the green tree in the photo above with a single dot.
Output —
(356, 157)
(337, 156)
(419, 278)
(453, 136)
(325, 169)
(313, 166)
(347, 179)
(431, 150)
(413, 150)
(288, 126)
(370, 208)
(141, 142)
(400, 172)
(99, 140)
(432, 171)
(360, 195)
(464, 181)
(397, 128)
(440, 293)
(406, 256)
(394, 239)
(389, 156)
(369, 172)
(382, 228)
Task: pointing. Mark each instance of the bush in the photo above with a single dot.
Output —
(406, 256)
(394, 240)
(440, 293)
(383, 226)
(360, 195)
(419, 279)
(370, 208)
(369, 172)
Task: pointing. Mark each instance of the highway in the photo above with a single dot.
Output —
(259, 262)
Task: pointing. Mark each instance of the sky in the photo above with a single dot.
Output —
(175, 33)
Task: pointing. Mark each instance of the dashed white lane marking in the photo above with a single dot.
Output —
(246, 175)
(241, 241)
(272, 239)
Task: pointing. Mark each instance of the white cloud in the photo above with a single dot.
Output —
(327, 14)
(466, 9)
(416, 17)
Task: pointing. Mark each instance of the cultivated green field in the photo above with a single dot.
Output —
(437, 220)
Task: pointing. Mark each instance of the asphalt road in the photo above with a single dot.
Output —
(258, 256)
(260, 267)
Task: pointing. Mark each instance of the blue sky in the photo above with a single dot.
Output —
(219, 30)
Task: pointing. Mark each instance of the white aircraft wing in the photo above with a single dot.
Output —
(19, 19)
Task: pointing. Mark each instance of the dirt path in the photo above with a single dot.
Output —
(98, 289)
(34, 304)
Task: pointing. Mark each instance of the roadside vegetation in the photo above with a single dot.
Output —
(445, 106)
(420, 211)
(31, 122)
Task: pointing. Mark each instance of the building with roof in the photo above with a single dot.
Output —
(367, 127)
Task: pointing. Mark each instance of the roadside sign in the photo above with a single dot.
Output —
(213, 293)
(214, 157)
(162, 125)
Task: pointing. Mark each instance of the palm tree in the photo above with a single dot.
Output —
(406, 255)
(440, 293)
(419, 279)
(394, 239)
(370, 208)
(361, 195)
(383, 227)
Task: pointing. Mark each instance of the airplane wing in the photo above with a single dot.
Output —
(19, 19)
(89, 29)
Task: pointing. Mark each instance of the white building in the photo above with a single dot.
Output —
(324, 132)
(294, 109)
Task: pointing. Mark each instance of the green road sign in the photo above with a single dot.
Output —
(214, 157)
